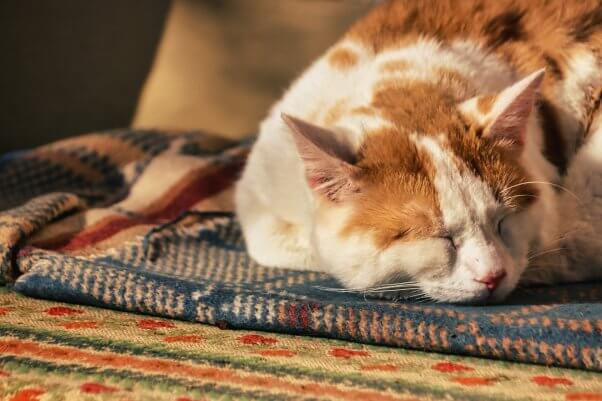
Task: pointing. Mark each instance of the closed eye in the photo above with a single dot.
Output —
(502, 228)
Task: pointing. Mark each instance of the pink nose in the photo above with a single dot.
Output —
(493, 280)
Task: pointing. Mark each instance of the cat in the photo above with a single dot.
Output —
(447, 150)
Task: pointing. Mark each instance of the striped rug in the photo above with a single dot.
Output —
(57, 351)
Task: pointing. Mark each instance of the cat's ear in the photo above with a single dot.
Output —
(506, 115)
(328, 163)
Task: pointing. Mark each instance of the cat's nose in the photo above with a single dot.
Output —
(493, 280)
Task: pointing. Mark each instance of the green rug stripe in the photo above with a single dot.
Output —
(150, 380)
(100, 344)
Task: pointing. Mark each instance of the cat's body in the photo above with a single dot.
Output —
(417, 134)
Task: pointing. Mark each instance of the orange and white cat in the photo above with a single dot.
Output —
(443, 149)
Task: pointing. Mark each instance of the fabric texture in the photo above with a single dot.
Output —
(56, 351)
(99, 220)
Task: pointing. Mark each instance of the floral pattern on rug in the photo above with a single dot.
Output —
(52, 351)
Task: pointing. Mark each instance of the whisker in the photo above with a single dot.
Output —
(542, 182)
(390, 290)
(523, 196)
(342, 290)
(408, 284)
(409, 291)
(561, 238)
(536, 255)
(388, 285)
(384, 286)
(512, 198)
(417, 295)
(398, 285)
(423, 300)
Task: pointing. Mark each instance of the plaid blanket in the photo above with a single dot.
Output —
(101, 220)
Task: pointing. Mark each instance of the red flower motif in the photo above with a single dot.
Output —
(474, 381)
(346, 353)
(80, 325)
(256, 339)
(385, 367)
(4, 310)
(185, 399)
(550, 381)
(583, 396)
(183, 339)
(62, 311)
(30, 394)
(451, 367)
(96, 388)
(276, 352)
(4, 373)
(150, 324)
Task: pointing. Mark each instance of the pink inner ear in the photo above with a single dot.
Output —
(511, 123)
(327, 162)
(511, 126)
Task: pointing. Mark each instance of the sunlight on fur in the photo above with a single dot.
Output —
(430, 159)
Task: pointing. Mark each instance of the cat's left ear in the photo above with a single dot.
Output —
(328, 161)
(505, 116)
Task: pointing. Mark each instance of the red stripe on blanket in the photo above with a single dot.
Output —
(200, 188)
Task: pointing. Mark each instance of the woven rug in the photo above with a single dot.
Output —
(98, 220)
(56, 351)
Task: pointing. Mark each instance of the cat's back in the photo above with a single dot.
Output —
(507, 27)
(564, 37)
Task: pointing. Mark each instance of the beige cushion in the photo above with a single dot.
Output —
(222, 63)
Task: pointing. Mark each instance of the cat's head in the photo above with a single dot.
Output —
(450, 214)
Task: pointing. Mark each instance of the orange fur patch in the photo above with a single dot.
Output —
(394, 66)
(342, 58)
(417, 106)
(364, 110)
(456, 83)
(335, 112)
(485, 103)
(398, 200)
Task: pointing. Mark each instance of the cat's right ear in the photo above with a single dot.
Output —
(328, 163)
(505, 116)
